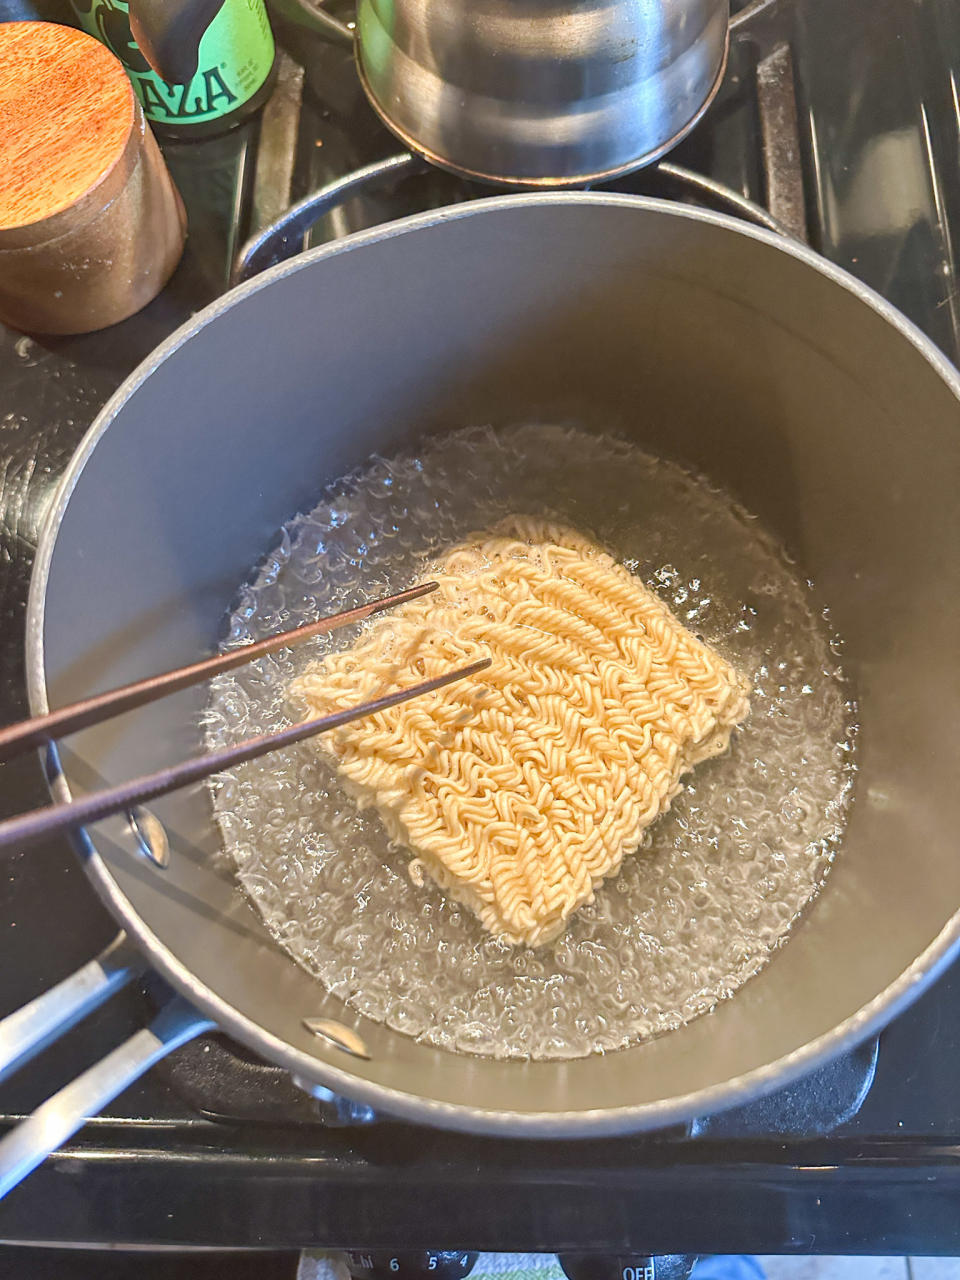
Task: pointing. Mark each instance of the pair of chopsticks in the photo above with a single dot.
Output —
(40, 730)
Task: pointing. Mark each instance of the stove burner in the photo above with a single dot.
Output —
(222, 1081)
(842, 121)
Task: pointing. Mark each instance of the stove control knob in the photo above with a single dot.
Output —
(377, 1264)
(627, 1266)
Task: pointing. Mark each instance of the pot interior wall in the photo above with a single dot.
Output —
(702, 342)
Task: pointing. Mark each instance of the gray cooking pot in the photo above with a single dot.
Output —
(737, 353)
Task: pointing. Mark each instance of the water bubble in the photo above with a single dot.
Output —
(27, 350)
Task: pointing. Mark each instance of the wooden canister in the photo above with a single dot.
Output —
(91, 225)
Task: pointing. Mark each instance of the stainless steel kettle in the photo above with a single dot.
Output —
(540, 92)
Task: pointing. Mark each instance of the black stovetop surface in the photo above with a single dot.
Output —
(184, 1159)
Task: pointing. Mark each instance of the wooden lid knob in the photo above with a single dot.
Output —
(67, 111)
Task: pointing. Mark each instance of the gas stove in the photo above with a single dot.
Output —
(839, 124)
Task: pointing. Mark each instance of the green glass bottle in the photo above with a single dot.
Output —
(216, 58)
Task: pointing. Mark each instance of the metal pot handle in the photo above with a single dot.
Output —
(63, 1114)
(28, 1030)
(316, 19)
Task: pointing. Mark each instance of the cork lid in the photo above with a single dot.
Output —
(67, 111)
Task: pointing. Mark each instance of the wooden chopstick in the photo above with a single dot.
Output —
(40, 730)
(28, 827)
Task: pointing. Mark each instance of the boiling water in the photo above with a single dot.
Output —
(718, 881)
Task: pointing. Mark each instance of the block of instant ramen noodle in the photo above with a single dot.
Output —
(520, 791)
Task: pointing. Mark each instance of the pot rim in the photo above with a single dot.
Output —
(306, 1067)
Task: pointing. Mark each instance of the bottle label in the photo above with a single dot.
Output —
(236, 54)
